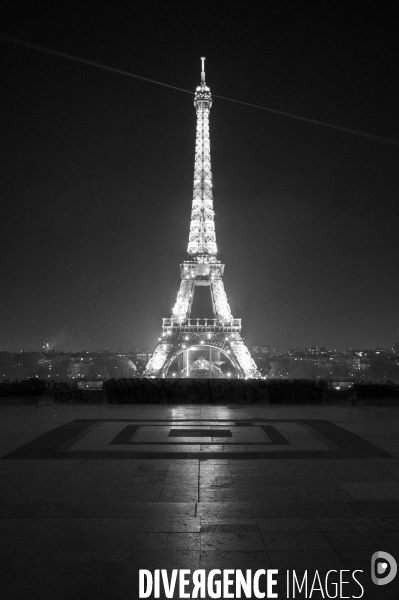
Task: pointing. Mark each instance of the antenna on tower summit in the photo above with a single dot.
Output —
(203, 69)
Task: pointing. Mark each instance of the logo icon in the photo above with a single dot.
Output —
(383, 568)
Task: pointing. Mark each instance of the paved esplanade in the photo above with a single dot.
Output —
(91, 494)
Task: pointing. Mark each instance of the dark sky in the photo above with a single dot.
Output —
(96, 170)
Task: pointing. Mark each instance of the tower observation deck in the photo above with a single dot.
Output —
(206, 347)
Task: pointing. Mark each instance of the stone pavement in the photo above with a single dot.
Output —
(91, 494)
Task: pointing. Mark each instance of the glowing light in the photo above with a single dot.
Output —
(202, 239)
(202, 248)
(244, 359)
(157, 360)
(221, 303)
(182, 304)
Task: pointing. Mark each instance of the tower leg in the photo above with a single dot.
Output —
(184, 299)
(243, 358)
(159, 357)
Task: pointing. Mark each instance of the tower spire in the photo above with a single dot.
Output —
(202, 238)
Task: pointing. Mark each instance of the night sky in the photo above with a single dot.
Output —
(97, 168)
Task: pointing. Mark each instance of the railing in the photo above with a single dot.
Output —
(198, 325)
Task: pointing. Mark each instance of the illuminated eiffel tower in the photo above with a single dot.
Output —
(202, 347)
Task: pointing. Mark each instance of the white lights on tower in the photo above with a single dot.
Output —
(201, 269)
(182, 304)
(202, 239)
(157, 360)
(221, 303)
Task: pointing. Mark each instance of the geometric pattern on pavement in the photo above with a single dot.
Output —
(198, 438)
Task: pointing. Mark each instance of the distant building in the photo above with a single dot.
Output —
(143, 355)
(263, 350)
(356, 363)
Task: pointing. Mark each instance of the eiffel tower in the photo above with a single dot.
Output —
(205, 347)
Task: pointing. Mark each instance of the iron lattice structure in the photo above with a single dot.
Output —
(220, 336)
